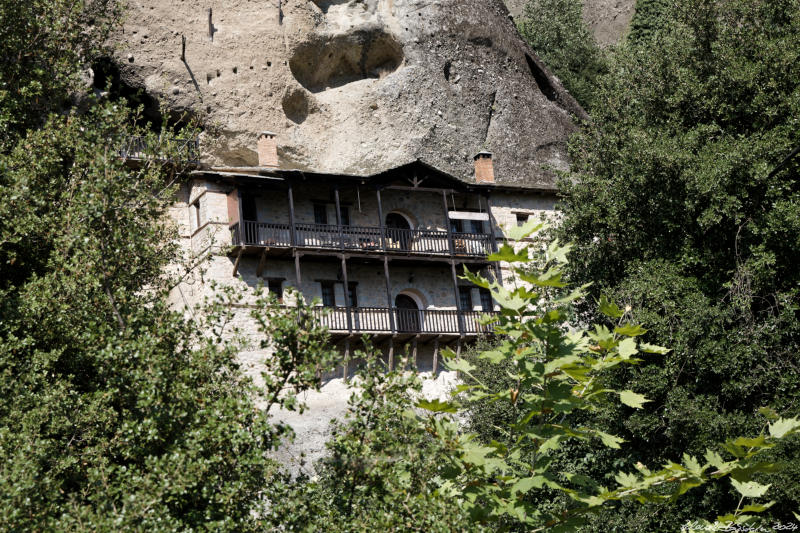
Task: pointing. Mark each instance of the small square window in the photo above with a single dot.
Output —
(456, 226)
(522, 218)
(328, 295)
(345, 215)
(320, 214)
(195, 214)
(476, 226)
(487, 304)
(465, 298)
(275, 287)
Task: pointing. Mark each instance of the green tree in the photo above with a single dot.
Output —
(675, 210)
(556, 31)
(47, 46)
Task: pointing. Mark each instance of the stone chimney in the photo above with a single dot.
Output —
(484, 170)
(267, 150)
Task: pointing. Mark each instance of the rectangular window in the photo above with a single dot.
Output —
(249, 211)
(522, 218)
(328, 295)
(195, 214)
(486, 300)
(320, 214)
(456, 226)
(476, 226)
(345, 215)
(276, 287)
(352, 294)
(465, 298)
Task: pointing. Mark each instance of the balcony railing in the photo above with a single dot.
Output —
(361, 238)
(381, 320)
(186, 150)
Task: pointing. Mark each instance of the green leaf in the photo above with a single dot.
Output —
(611, 441)
(459, 365)
(437, 406)
(652, 348)
(768, 413)
(608, 308)
(630, 330)
(527, 483)
(632, 399)
(530, 227)
(506, 253)
(784, 426)
(756, 507)
(627, 348)
(750, 489)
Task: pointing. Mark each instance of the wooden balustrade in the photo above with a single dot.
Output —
(360, 238)
(378, 320)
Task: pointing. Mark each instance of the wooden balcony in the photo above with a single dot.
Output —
(136, 148)
(364, 239)
(381, 320)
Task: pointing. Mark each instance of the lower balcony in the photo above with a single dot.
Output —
(381, 320)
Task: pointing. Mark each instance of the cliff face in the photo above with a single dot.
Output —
(608, 19)
(353, 86)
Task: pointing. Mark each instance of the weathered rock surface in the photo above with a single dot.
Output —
(608, 19)
(355, 86)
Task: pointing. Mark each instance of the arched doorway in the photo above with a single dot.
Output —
(408, 319)
(398, 230)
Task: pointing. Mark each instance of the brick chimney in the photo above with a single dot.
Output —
(484, 170)
(267, 150)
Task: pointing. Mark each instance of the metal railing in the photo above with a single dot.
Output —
(187, 150)
(380, 319)
(363, 238)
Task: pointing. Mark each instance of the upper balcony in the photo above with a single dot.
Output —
(361, 239)
(185, 151)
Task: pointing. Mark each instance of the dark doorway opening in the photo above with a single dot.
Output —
(398, 230)
(408, 319)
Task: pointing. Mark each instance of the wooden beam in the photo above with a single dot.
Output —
(261, 262)
(297, 269)
(436, 356)
(447, 224)
(291, 216)
(347, 295)
(388, 294)
(391, 353)
(414, 351)
(380, 220)
(236, 263)
(418, 189)
(346, 357)
(458, 299)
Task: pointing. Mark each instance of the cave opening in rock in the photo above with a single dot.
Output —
(324, 63)
(542, 81)
(108, 78)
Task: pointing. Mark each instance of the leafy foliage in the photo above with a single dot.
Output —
(556, 31)
(556, 378)
(674, 210)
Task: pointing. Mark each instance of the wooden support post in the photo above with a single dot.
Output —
(498, 274)
(458, 348)
(459, 314)
(380, 220)
(414, 352)
(389, 294)
(447, 224)
(347, 295)
(261, 262)
(435, 356)
(338, 215)
(391, 354)
(291, 216)
(346, 357)
(297, 269)
(236, 263)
